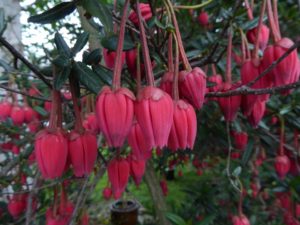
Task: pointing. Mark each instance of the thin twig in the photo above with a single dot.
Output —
(24, 94)
(228, 172)
(272, 66)
(79, 201)
(18, 55)
(243, 90)
(33, 192)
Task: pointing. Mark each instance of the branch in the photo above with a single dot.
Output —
(4, 171)
(30, 199)
(272, 66)
(244, 90)
(23, 93)
(18, 55)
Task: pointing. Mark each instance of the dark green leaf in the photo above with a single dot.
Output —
(104, 74)
(61, 45)
(248, 152)
(92, 57)
(56, 13)
(61, 77)
(47, 71)
(87, 77)
(61, 61)
(40, 110)
(100, 10)
(175, 219)
(111, 43)
(80, 43)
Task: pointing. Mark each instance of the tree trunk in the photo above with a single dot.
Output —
(13, 31)
(158, 200)
(94, 38)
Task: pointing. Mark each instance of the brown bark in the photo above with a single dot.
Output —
(158, 200)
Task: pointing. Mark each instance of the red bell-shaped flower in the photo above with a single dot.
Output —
(257, 113)
(184, 127)
(17, 205)
(284, 72)
(240, 220)
(60, 214)
(154, 112)
(145, 12)
(107, 193)
(249, 72)
(203, 19)
(217, 83)
(240, 140)
(17, 115)
(90, 123)
(118, 174)
(263, 36)
(137, 169)
(30, 114)
(48, 106)
(82, 152)
(33, 126)
(167, 82)
(131, 61)
(51, 150)
(114, 111)
(192, 86)
(229, 105)
(110, 57)
(5, 109)
(282, 165)
(140, 148)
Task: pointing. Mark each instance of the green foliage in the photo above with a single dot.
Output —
(56, 13)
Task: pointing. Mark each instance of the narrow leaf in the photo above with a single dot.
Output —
(92, 57)
(62, 45)
(61, 61)
(40, 110)
(104, 74)
(175, 219)
(56, 13)
(111, 43)
(248, 152)
(87, 77)
(80, 43)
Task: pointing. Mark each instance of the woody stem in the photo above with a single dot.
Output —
(78, 120)
(138, 69)
(273, 26)
(118, 62)
(228, 60)
(281, 148)
(145, 49)
(240, 206)
(179, 39)
(258, 33)
(53, 113)
(176, 71)
(170, 53)
(249, 10)
(276, 20)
